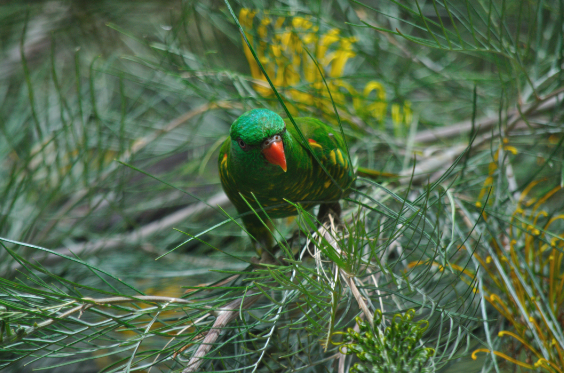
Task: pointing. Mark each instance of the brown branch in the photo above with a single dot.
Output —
(138, 235)
(485, 124)
(138, 145)
(439, 163)
(91, 302)
(224, 317)
(142, 298)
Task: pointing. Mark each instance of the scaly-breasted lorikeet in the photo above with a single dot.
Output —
(264, 155)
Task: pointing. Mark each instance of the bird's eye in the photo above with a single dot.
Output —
(241, 143)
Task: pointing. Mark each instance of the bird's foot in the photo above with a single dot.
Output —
(326, 209)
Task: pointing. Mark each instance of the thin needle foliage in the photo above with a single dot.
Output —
(119, 252)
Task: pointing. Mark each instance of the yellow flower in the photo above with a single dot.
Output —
(282, 50)
(492, 167)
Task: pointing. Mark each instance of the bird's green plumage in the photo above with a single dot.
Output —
(247, 172)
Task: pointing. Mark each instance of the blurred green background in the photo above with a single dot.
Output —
(111, 118)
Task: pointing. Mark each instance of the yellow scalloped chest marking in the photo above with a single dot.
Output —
(340, 157)
(314, 144)
(224, 165)
(332, 156)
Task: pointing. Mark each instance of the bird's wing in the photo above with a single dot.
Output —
(223, 152)
(222, 164)
(325, 141)
(328, 146)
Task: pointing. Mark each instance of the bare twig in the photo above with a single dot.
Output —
(485, 124)
(142, 298)
(221, 283)
(29, 331)
(89, 303)
(326, 232)
(224, 317)
(438, 163)
(139, 235)
(137, 146)
(361, 303)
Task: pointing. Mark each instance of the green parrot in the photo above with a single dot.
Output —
(264, 156)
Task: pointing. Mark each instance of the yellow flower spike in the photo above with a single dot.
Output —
(478, 204)
(543, 248)
(262, 30)
(283, 56)
(342, 84)
(542, 362)
(300, 22)
(532, 230)
(329, 38)
(339, 61)
(376, 109)
(492, 167)
(296, 46)
(555, 240)
(505, 140)
(502, 355)
(441, 267)
(375, 86)
(396, 115)
(474, 357)
(341, 56)
(511, 149)
(310, 70)
(539, 363)
(279, 22)
(407, 113)
(540, 213)
(534, 322)
(399, 120)
(310, 38)
(528, 189)
(285, 39)
(503, 310)
(246, 17)
(276, 50)
(529, 347)
(543, 199)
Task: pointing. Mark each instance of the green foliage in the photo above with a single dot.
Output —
(398, 348)
(111, 117)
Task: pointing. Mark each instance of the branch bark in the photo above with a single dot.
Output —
(140, 235)
(224, 317)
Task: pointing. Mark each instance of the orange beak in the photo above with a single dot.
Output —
(274, 153)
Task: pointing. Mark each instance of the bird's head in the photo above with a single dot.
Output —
(259, 135)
